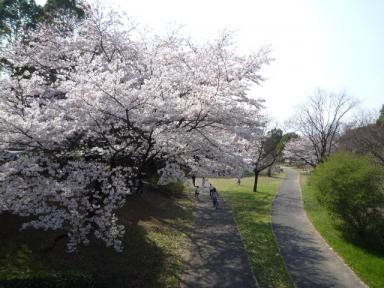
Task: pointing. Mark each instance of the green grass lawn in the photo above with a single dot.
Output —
(369, 265)
(155, 245)
(252, 212)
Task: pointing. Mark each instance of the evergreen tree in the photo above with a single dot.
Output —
(16, 16)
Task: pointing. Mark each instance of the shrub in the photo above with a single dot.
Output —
(350, 186)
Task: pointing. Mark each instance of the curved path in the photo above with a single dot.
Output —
(309, 259)
(218, 257)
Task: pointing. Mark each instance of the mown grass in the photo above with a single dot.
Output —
(156, 241)
(368, 264)
(252, 212)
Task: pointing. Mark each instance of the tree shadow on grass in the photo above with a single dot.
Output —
(25, 260)
(27, 263)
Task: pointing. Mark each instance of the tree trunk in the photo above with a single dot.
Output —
(55, 241)
(256, 180)
(139, 185)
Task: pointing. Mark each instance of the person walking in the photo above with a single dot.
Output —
(238, 180)
(197, 192)
(215, 198)
(210, 190)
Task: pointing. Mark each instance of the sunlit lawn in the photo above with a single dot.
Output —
(252, 212)
(155, 245)
(369, 265)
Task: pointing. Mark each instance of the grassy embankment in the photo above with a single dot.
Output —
(368, 264)
(252, 212)
(155, 245)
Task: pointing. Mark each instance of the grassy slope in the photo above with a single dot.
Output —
(252, 212)
(155, 243)
(366, 264)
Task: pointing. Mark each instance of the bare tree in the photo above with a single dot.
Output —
(361, 118)
(368, 139)
(320, 120)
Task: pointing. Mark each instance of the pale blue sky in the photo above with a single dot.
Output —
(336, 45)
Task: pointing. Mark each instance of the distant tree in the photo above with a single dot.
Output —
(71, 7)
(364, 135)
(266, 151)
(299, 151)
(367, 140)
(17, 16)
(361, 118)
(319, 121)
(289, 136)
(380, 120)
(275, 141)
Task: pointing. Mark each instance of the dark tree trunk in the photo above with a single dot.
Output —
(256, 180)
(138, 185)
(55, 242)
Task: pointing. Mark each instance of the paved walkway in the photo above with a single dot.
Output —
(218, 257)
(309, 259)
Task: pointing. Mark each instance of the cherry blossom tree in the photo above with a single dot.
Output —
(95, 101)
(300, 151)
